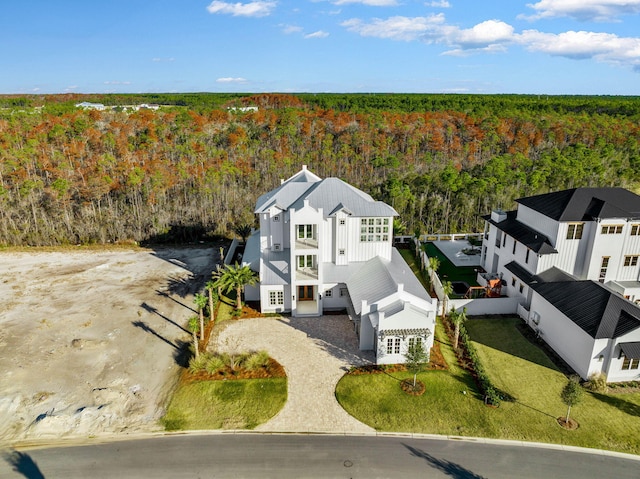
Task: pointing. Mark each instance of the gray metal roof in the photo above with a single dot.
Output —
(276, 267)
(585, 204)
(631, 350)
(378, 278)
(330, 194)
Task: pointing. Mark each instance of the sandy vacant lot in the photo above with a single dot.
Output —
(89, 339)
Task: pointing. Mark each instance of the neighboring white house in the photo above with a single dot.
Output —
(572, 260)
(325, 245)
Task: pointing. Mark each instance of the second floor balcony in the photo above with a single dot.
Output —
(306, 267)
(306, 236)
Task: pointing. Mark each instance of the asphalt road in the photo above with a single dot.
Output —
(299, 456)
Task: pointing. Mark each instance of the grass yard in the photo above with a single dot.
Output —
(237, 404)
(450, 272)
(410, 258)
(607, 421)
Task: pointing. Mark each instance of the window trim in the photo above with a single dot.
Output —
(631, 260)
(611, 229)
(574, 231)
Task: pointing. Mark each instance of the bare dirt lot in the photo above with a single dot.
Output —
(90, 341)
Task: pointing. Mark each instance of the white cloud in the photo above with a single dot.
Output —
(318, 34)
(288, 29)
(371, 3)
(395, 28)
(584, 10)
(494, 36)
(251, 9)
(603, 47)
(231, 80)
(117, 83)
(159, 59)
(438, 4)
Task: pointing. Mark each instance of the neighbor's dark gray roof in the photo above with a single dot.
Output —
(519, 271)
(631, 350)
(600, 312)
(585, 204)
(532, 239)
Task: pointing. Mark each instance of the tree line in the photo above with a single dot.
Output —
(195, 167)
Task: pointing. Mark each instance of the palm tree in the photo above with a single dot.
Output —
(236, 277)
(210, 287)
(447, 289)
(194, 327)
(434, 264)
(457, 318)
(243, 231)
(200, 301)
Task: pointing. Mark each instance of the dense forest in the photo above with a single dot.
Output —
(195, 166)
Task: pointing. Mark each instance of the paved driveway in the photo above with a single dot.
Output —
(315, 352)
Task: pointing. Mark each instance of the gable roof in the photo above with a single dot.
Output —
(330, 194)
(598, 311)
(532, 239)
(585, 204)
(378, 278)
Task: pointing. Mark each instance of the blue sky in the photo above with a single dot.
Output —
(427, 46)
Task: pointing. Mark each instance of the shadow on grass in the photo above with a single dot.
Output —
(447, 467)
(627, 407)
(22, 463)
(503, 334)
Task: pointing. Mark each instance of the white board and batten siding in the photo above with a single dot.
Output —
(539, 222)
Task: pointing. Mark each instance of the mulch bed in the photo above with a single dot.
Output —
(273, 370)
(407, 386)
(569, 425)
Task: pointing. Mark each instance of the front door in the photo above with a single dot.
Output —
(305, 293)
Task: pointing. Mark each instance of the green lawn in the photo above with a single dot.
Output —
(448, 271)
(409, 256)
(237, 404)
(515, 365)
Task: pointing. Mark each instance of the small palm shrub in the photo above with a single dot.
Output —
(257, 360)
(198, 363)
(214, 364)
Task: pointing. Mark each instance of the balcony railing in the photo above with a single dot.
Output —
(306, 273)
(306, 243)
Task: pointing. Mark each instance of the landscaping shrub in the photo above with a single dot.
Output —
(214, 364)
(493, 395)
(257, 360)
(198, 363)
(597, 383)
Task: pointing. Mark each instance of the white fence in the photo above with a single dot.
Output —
(482, 306)
(229, 258)
(475, 306)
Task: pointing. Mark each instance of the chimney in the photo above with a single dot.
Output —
(400, 287)
(498, 216)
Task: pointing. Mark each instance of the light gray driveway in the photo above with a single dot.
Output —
(315, 352)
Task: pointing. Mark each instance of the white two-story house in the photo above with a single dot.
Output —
(572, 259)
(325, 245)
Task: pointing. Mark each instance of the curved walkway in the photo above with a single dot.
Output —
(315, 352)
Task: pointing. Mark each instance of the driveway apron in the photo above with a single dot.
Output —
(315, 352)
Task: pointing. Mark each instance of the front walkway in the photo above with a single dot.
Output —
(315, 352)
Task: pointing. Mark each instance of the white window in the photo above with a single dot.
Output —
(417, 341)
(276, 218)
(342, 221)
(276, 247)
(305, 231)
(341, 252)
(393, 345)
(631, 260)
(374, 229)
(306, 261)
(630, 363)
(574, 231)
(344, 292)
(276, 298)
(635, 230)
(611, 229)
(328, 293)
